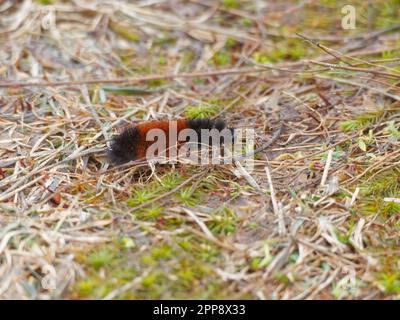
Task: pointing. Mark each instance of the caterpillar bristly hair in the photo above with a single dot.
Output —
(131, 143)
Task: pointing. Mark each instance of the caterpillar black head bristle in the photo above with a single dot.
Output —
(122, 148)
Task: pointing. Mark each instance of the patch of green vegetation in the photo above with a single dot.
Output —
(373, 205)
(390, 282)
(202, 111)
(45, 2)
(392, 130)
(152, 279)
(124, 32)
(127, 243)
(345, 237)
(230, 43)
(385, 183)
(152, 213)
(164, 38)
(222, 58)
(171, 180)
(388, 277)
(157, 83)
(224, 221)
(388, 14)
(141, 196)
(231, 4)
(292, 49)
(188, 57)
(262, 262)
(189, 196)
(177, 269)
(376, 191)
(163, 251)
(101, 258)
(363, 121)
(245, 22)
(162, 60)
(146, 193)
(390, 54)
(282, 278)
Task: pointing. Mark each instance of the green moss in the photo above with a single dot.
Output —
(188, 196)
(164, 38)
(289, 50)
(392, 130)
(230, 43)
(222, 58)
(151, 279)
(344, 237)
(375, 189)
(363, 121)
(101, 258)
(171, 180)
(202, 111)
(161, 252)
(224, 221)
(151, 213)
(141, 196)
(45, 2)
(231, 4)
(157, 83)
(373, 205)
(188, 58)
(179, 269)
(245, 22)
(127, 243)
(255, 263)
(162, 60)
(388, 14)
(390, 282)
(125, 32)
(282, 278)
(86, 287)
(390, 54)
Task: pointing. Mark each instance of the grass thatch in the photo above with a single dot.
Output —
(73, 72)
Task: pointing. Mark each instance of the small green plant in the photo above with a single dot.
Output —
(151, 213)
(224, 221)
(290, 50)
(163, 251)
(201, 111)
(101, 258)
(186, 195)
(125, 32)
(390, 282)
(171, 180)
(363, 121)
(45, 2)
(141, 196)
(377, 191)
(231, 4)
(222, 58)
(393, 131)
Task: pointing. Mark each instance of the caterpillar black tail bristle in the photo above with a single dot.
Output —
(122, 148)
